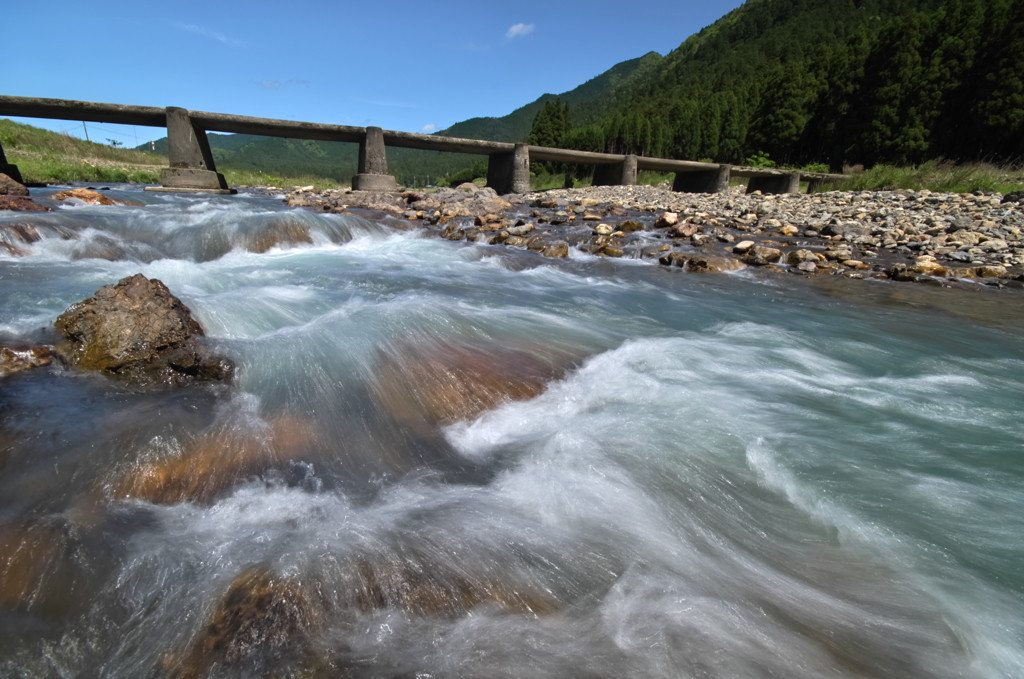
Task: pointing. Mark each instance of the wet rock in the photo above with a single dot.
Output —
(520, 230)
(21, 204)
(839, 254)
(435, 591)
(516, 241)
(807, 267)
(484, 220)
(17, 357)
(274, 234)
(629, 226)
(789, 230)
(900, 272)
(426, 384)
(848, 230)
(603, 230)
(138, 331)
(215, 461)
(799, 256)
(683, 230)
(38, 571)
(666, 219)
(743, 247)
(992, 271)
(556, 249)
(712, 264)
(89, 197)
(612, 251)
(929, 268)
(261, 627)
(9, 187)
(760, 255)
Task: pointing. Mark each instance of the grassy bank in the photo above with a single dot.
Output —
(47, 157)
(940, 176)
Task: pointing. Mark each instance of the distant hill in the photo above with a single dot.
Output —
(412, 167)
(793, 81)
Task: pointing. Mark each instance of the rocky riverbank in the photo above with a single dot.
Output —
(937, 238)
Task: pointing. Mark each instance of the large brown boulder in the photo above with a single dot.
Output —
(139, 331)
(21, 204)
(9, 187)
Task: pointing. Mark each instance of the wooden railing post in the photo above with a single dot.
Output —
(373, 164)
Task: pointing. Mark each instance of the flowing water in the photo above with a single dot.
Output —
(440, 459)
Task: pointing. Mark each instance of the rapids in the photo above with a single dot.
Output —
(446, 459)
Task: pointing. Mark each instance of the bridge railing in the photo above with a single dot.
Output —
(192, 168)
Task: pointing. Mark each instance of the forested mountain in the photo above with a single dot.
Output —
(803, 81)
(834, 81)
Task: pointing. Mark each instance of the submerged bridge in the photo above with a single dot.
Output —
(508, 165)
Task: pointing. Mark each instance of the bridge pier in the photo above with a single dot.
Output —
(509, 172)
(617, 174)
(192, 168)
(6, 168)
(703, 181)
(782, 183)
(373, 164)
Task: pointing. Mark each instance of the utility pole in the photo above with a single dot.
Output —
(86, 130)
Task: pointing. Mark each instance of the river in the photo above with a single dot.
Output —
(731, 475)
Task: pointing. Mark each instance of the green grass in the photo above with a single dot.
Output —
(253, 178)
(42, 168)
(18, 137)
(939, 176)
(47, 157)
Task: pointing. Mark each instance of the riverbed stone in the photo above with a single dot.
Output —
(21, 204)
(17, 357)
(760, 255)
(9, 187)
(556, 249)
(138, 331)
(666, 219)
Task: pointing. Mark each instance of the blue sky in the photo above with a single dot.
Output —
(411, 66)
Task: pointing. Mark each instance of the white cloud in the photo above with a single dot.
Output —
(519, 30)
(427, 129)
(206, 32)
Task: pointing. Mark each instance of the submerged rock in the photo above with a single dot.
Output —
(760, 255)
(138, 331)
(38, 571)
(17, 357)
(429, 384)
(215, 461)
(261, 627)
(277, 234)
(21, 204)
(90, 197)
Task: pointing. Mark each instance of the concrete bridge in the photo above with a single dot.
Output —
(508, 165)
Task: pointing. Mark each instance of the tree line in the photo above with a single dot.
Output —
(823, 81)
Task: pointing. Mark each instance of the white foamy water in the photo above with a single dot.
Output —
(720, 478)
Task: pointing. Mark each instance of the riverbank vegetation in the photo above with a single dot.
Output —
(942, 176)
(46, 157)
